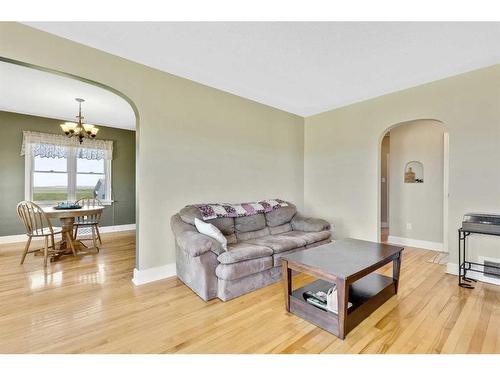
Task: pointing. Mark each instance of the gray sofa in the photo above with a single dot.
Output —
(255, 245)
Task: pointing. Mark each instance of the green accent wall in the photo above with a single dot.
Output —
(122, 211)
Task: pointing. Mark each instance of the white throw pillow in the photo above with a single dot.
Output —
(211, 231)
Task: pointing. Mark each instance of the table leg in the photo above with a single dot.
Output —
(287, 282)
(459, 258)
(67, 243)
(462, 272)
(396, 269)
(342, 303)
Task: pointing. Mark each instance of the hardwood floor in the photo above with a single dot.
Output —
(89, 305)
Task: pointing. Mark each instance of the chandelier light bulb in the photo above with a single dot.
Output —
(79, 129)
(88, 128)
(65, 128)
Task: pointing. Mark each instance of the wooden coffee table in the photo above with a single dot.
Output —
(350, 264)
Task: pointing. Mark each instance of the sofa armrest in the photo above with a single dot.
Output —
(195, 243)
(309, 224)
(191, 241)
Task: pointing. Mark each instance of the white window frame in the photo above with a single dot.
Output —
(29, 163)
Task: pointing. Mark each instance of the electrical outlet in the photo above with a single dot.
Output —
(408, 226)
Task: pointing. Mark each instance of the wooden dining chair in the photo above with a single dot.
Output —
(89, 221)
(37, 224)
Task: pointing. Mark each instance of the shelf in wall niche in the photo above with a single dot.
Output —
(414, 172)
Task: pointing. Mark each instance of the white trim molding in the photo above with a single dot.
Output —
(149, 275)
(428, 245)
(117, 228)
(452, 269)
(13, 239)
(109, 229)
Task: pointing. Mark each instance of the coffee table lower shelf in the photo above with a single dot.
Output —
(366, 295)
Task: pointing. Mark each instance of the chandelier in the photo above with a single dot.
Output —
(79, 129)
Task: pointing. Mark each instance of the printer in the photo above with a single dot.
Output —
(481, 222)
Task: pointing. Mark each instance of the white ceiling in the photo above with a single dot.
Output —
(303, 68)
(30, 91)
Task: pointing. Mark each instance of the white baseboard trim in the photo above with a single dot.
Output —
(452, 269)
(153, 274)
(384, 224)
(117, 228)
(428, 245)
(109, 229)
(13, 239)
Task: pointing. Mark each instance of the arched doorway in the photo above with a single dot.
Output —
(413, 184)
(131, 106)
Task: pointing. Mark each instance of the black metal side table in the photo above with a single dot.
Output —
(464, 265)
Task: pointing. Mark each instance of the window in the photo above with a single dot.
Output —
(56, 179)
(90, 179)
(58, 168)
(50, 179)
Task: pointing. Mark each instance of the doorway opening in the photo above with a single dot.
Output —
(413, 185)
(39, 100)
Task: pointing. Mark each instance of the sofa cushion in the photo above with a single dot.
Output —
(313, 237)
(238, 270)
(281, 215)
(225, 224)
(310, 237)
(244, 236)
(231, 238)
(279, 242)
(188, 214)
(250, 223)
(243, 251)
(287, 227)
(309, 224)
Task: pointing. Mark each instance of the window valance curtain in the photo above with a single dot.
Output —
(57, 146)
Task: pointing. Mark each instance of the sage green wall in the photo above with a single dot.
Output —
(342, 151)
(12, 169)
(198, 144)
(195, 143)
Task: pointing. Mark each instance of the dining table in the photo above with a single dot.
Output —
(67, 219)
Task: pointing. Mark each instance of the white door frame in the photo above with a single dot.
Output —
(446, 192)
(446, 176)
(387, 187)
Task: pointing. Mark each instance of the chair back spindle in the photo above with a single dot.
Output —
(34, 219)
(89, 202)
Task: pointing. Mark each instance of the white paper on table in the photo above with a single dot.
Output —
(332, 301)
